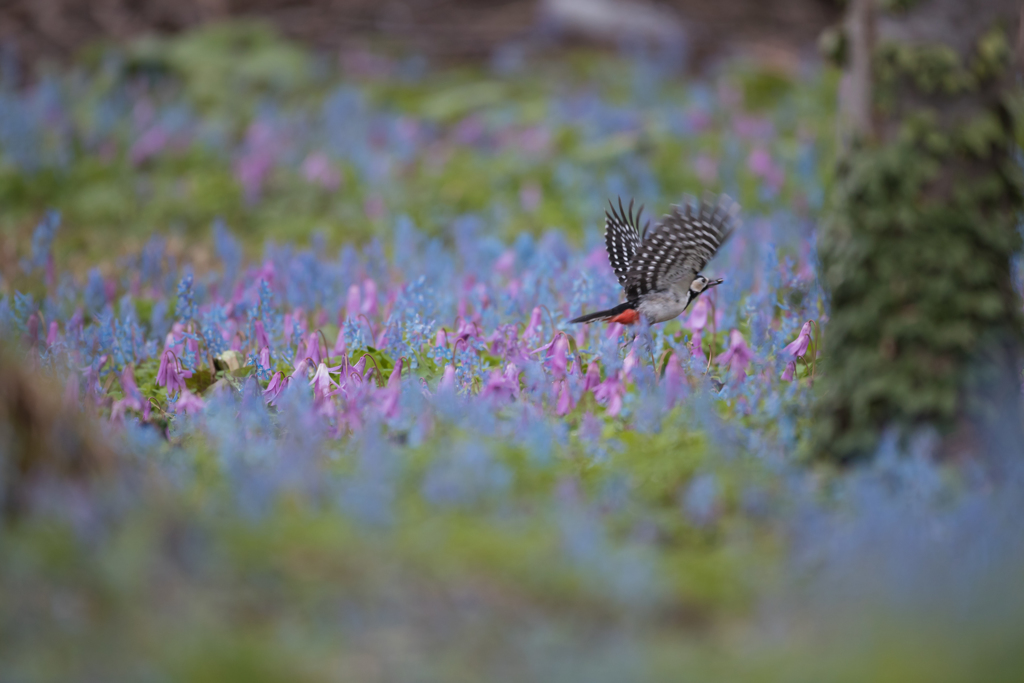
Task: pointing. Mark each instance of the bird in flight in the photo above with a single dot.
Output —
(660, 269)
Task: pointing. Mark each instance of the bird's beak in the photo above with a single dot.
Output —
(712, 283)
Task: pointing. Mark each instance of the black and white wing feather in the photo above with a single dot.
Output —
(621, 237)
(681, 245)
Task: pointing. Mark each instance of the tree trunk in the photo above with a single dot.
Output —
(925, 325)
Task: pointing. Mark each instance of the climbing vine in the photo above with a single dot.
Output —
(916, 252)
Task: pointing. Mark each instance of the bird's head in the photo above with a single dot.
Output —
(700, 285)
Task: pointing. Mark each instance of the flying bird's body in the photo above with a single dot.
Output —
(660, 269)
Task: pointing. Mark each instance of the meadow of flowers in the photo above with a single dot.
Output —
(310, 408)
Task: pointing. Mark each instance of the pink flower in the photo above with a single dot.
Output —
(698, 317)
(505, 262)
(674, 381)
(696, 345)
(559, 356)
(706, 168)
(468, 329)
(502, 388)
(447, 382)
(761, 164)
(353, 302)
(628, 364)
(189, 403)
(392, 393)
(798, 347)
(609, 394)
(790, 371)
(593, 377)
(133, 398)
(356, 371)
(261, 334)
(441, 338)
(52, 334)
(564, 399)
(312, 351)
(256, 162)
(322, 382)
(150, 143)
(339, 343)
(275, 387)
(369, 298)
(614, 331)
(170, 374)
(535, 322)
(265, 357)
(319, 170)
(301, 370)
(738, 355)
(530, 196)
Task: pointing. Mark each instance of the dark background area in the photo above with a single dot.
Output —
(441, 29)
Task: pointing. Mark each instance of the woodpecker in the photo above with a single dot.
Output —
(660, 269)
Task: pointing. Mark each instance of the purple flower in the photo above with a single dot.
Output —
(532, 328)
(468, 329)
(389, 397)
(698, 317)
(189, 403)
(275, 387)
(628, 363)
(353, 302)
(133, 398)
(53, 333)
(340, 348)
(790, 371)
(369, 307)
(609, 394)
(356, 371)
(697, 345)
(148, 144)
(170, 374)
(798, 347)
(447, 382)
(301, 370)
(737, 356)
(265, 358)
(564, 399)
(322, 382)
(260, 333)
(761, 164)
(505, 262)
(593, 377)
(319, 170)
(674, 380)
(501, 388)
(559, 356)
(312, 351)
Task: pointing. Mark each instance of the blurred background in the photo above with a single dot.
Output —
(445, 29)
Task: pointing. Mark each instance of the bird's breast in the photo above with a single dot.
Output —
(658, 307)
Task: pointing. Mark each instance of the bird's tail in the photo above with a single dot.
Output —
(610, 314)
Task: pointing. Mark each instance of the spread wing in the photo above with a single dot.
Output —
(681, 244)
(622, 237)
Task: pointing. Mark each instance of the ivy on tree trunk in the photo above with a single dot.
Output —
(925, 325)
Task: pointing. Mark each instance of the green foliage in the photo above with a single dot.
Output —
(916, 254)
